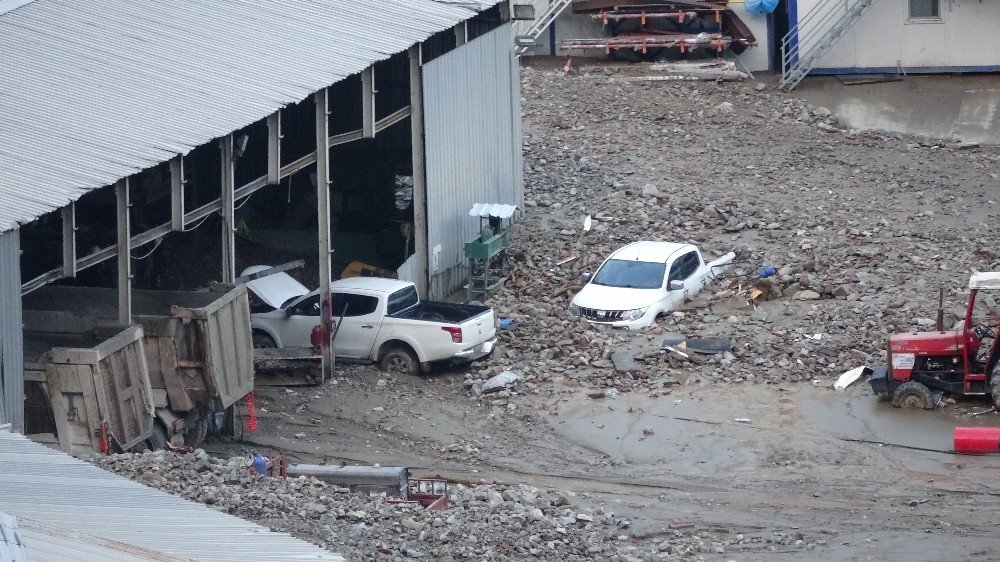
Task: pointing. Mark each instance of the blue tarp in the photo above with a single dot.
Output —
(760, 7)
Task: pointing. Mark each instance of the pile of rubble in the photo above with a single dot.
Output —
(857, 227)
(491, 522)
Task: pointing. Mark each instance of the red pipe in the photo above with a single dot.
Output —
(977, 440)
(252, 417)
(102, 433)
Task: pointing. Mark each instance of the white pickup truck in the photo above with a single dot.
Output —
(643, 280)
(380, 320)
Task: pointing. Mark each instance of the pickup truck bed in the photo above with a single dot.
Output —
(435, 311)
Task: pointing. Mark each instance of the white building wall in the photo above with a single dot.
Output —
(964, 38)
(756, 59)
(583, 26)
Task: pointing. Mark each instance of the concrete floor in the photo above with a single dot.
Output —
(953, 108)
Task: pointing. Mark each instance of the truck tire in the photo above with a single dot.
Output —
(912, 394)
(158, 439)
(196, 429)
(400, 360)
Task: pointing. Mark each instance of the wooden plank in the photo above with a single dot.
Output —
(34, 374)
(119, 341)
(209, 349)
(154, 361)
(173, 378)
(180, 400)
(73, 356)
(60, 405)
(92, 412)
(97, 395)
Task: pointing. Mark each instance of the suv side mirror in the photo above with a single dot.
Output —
(584, 277)
(676, 285)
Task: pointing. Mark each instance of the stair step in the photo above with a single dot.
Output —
(811, 56)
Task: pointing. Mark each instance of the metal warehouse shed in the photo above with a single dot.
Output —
(123, 98)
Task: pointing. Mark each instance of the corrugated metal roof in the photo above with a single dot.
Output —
(11, 540)
(95, 91)
(77, 505)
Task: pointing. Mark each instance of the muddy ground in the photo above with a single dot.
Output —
(806, 471)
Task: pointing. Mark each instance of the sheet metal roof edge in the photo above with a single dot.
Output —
(11, 5)
(67, 179)
(127, 511)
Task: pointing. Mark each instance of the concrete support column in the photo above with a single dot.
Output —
(323, 211)
(274, 148)
(69, 240)
(177, 194)
(228, 211)
(419, 170)
(368, 102)
(461, 34)
(124, 253)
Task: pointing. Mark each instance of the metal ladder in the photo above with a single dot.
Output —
(530, 37)
(824, 25)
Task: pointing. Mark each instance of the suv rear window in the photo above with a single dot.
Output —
(402, 299)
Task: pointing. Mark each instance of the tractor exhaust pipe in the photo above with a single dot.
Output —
(940, 316)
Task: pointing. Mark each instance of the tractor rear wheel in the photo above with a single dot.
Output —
(995, 387)
(915, 395)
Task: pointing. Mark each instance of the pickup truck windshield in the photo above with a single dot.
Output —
(630, 274)
(402, 299)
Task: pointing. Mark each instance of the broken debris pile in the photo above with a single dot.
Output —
(799, 197)
(491, 522)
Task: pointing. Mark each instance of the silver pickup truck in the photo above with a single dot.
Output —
(380, 320)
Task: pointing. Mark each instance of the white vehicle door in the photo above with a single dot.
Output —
(303, 316)
(675, 298)
(684, 268)
(359, 326)
(697, 274)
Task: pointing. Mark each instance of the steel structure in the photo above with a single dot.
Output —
(93, 94)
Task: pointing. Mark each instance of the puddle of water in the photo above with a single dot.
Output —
(858, 414)
(695, 431)
(687, 433)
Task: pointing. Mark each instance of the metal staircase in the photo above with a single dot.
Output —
(530, 37)
(814, 34)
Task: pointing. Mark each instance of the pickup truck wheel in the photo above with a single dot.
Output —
(400, 361)
(262, 340)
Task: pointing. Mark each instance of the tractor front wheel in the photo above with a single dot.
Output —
(915, 395)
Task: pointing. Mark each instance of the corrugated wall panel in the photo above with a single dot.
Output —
(11, 347)
(473, 147)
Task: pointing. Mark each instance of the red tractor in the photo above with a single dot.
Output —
(924, 365)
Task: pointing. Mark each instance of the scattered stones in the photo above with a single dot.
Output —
(483, 522)
(498, 382)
